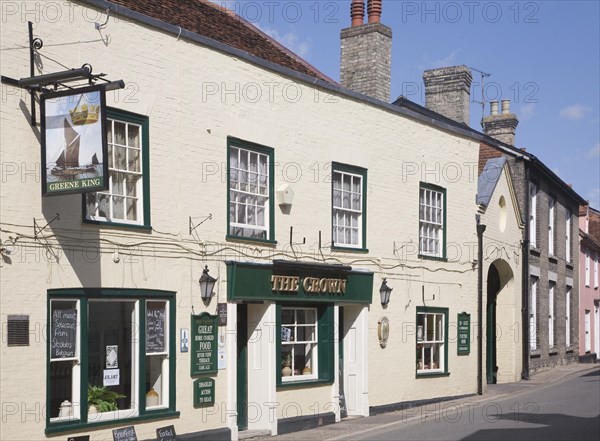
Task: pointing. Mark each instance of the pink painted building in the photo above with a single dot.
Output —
(589, 291)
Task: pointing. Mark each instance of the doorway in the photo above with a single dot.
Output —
(353, 328)
(493, 287)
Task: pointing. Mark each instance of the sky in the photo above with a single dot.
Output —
(542, 55)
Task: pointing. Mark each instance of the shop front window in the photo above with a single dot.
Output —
(432, 341)
(305, 344)
(298, 343)
(122, 343)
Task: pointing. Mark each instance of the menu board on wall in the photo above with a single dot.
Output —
(464, 334)
(155, 327)
(64, 333)
(204, 344)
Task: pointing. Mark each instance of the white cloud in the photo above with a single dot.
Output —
(289, 40)
(448, 60)
(594, 152)
(576, 111)
(527, 112)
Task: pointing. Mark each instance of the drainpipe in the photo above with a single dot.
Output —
(525, 281)
(480, 230)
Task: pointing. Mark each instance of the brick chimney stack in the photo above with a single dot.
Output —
(367, 52)
(448, 92)
(501, 126)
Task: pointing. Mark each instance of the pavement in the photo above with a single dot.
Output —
(348, 427)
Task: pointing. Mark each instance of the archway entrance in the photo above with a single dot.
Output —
(499, 320)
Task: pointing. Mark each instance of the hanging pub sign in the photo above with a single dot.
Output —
(74, 149)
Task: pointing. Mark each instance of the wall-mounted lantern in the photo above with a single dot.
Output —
(385, 292)
(207, 283)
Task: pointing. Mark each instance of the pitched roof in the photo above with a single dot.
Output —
(488, 179)
(223, 25)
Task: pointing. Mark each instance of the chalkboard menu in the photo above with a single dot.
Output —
(204, 392)
(124, 434)
(464, 334)
(64, 333)
(166, 433)
(155, 327)
(204, 344)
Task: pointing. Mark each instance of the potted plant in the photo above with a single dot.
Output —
(100, 399)
(287, 364)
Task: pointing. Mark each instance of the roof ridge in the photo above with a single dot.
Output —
(277, 44)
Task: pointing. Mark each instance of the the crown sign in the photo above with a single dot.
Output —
(85, 116)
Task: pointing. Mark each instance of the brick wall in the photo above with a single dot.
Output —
(366, 60)
(553, 269)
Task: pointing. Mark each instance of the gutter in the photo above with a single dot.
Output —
(480, 229)
(525, 284)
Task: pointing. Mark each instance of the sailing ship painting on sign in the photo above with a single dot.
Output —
(74, 142)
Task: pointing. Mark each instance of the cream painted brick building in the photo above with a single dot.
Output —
(198, 99)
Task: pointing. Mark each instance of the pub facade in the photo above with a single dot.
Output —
(336, 231)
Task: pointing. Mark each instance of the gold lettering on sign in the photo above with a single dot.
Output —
(312, 285)
(285, 283)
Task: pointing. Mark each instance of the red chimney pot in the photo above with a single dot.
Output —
(374, 10)
(357, 12)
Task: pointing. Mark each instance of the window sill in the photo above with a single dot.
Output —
(553, 351)
(78, 426)
(240, 239)
(570, 265)
(118, 225)
(535, 251)
(434, 258)
(432, 375)
(349, 249)
(302, 383)
(552, 258)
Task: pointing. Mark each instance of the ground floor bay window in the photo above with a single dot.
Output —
(432, 341)
(109, 356)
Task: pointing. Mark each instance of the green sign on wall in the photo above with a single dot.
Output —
(463, 342)
(204, 392)
(298, 282)
(204, 344)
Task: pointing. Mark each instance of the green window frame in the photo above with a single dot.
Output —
(323, 372)
(432, 221)
(142, 365)
(348, 207)
(130, 184)
(250, 191)
(431, 354)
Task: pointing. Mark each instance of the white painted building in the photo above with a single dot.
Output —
(301, 197)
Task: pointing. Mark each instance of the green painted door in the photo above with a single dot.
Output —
(491, 343)
(242, 367)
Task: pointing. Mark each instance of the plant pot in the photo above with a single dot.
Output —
(92, 410)
(286, 371)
